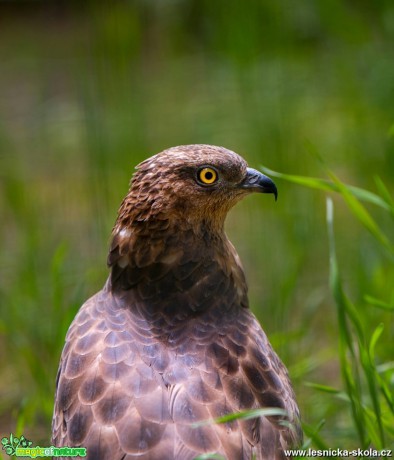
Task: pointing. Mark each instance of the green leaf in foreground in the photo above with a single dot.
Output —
(361, 213)
(379, 303)
(347, 355)
(244, 415)
(323, 388)
(209, 456)
(375, 337)
(313, 434)
(384, 193)
(351, 195)
(329, 186)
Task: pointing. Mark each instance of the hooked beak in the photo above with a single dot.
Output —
(256, 181)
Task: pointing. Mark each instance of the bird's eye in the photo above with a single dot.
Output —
(207, 176)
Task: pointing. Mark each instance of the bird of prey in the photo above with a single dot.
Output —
(170, 341)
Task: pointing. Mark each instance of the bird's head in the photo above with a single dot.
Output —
(190, 185)
(169, 236)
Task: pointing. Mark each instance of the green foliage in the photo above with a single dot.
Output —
(367, 390)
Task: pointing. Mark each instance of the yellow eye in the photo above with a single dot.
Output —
(207, 176)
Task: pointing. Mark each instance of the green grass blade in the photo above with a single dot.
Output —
(379, 303)
(322, 388)
(244, 415)
(313, 434)
(351, 378)
(372, 343)
(377, 436)
(209, 456)
(327, 186)
(361, 213)
(384, 192)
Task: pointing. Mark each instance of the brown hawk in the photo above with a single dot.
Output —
(169, 341)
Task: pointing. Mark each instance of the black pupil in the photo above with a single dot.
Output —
(208, 175)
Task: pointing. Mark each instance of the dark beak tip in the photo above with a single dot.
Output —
(274, 191)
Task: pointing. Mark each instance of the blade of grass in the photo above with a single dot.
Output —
(361, 213)
(327, 186)
(375, 337)
(351, 378)
(244, 415)
(351, 195)
(313, 434)
(379, 303)
(384, 192)
(377, 436)
(323, 388)
(209, 456)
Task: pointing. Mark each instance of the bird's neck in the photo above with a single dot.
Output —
(179, 269)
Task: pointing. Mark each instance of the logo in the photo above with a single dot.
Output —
(10, 445)
(22, 447)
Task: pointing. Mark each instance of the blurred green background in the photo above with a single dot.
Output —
(89, 89)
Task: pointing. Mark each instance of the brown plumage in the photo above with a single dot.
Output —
(170, 341)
